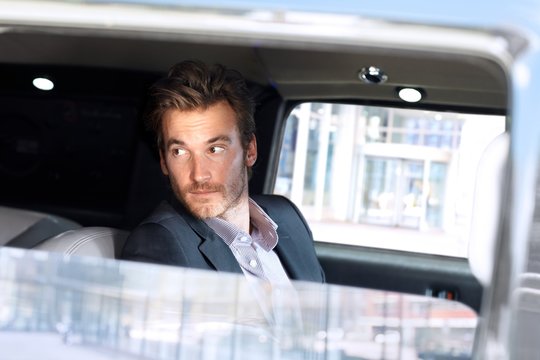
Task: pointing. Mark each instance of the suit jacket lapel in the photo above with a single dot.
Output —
(215, 249)
(212, 247)
(287, 252)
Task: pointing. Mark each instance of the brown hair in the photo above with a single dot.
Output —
(192, 85)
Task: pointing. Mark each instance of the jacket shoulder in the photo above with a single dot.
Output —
(162, 213)
(157, 238)
(280, 208)
(273, 201)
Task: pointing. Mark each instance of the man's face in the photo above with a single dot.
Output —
(205, 161)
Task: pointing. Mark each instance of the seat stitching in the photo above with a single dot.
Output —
(79, 243)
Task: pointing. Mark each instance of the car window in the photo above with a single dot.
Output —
(385, 177)
(88, 308)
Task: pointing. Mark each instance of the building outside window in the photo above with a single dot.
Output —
(386, 174)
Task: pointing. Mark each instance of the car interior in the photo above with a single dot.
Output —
(79, 165)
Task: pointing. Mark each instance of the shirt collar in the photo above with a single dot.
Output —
(266, 227)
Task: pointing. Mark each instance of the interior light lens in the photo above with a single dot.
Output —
(43, 84)
(410, 95)
(372, 75)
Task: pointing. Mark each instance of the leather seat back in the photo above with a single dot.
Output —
(102, 242)
(25, 229)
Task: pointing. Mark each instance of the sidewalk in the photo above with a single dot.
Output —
(429, 242)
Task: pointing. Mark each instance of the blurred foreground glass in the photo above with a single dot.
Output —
(393, 178)
(88, 308)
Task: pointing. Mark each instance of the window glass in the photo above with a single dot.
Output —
(385, 177)
(57, 307)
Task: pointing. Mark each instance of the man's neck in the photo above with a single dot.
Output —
(239, 215)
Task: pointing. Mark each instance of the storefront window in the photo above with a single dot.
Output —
(385, 172)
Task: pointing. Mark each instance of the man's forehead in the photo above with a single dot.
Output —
(172, 140)
(220, 114)
(197, 135)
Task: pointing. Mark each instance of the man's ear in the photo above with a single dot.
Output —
(163, 164)
(251, 152)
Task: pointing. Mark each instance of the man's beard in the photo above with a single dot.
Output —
(202, 208)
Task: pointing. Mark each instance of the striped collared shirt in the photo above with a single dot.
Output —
(257, 259)
(254, 252)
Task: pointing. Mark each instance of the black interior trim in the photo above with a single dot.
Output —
(400, 271)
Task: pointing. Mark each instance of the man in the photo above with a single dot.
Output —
(203, 120)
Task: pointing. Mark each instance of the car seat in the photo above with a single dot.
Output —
(104, 242)
(25, 228)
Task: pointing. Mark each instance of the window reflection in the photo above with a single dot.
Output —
(103, 309)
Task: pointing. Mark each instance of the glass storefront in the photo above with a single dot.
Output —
(403, 193)
(376, 166)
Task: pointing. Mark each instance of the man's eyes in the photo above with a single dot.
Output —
(217, 149)
(179, 152)
(212, 150)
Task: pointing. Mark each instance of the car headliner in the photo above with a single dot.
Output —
(301, 54)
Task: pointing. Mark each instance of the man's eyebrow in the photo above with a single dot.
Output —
(224, 138)
(172, 142)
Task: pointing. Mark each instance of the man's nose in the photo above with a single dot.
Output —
(200, 170)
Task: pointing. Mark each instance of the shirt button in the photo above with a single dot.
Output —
(253, 263)
(244, 239)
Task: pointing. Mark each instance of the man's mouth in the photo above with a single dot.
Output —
(202, 192)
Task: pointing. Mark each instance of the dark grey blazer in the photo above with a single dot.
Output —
(172, 236)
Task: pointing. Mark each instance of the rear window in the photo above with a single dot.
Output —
(394, 178)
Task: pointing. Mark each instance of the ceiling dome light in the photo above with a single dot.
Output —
(43, 83)
(372, 75)
(410, 95)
